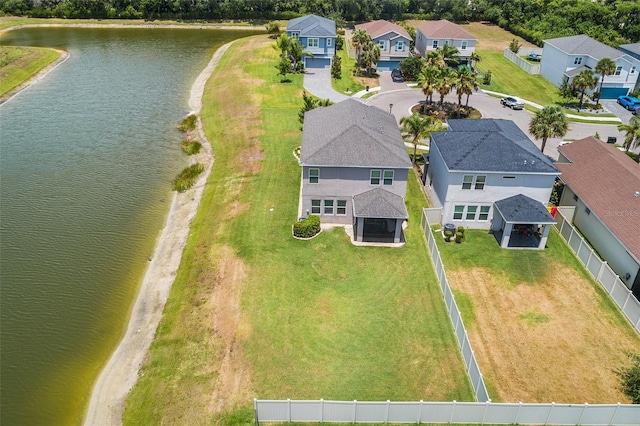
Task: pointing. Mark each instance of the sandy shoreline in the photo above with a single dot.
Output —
(109, 394)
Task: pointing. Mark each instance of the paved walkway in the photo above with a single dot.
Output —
(317, 81)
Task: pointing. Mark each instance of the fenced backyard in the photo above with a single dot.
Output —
(600, 270)
(482, 412)
(522, 63)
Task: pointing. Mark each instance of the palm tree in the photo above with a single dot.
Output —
(583, 81)
(445, 82)
(370, 55)
(474, 58)
(450, 54)
(549, 122)
(358, 39)
(416, 127)
(427, 81)
(465, 84)
(282, 44)
(632, 137)
(296, 52)
(604, 67)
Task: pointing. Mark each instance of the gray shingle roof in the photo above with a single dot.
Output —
(350, 133)
(522, 209)
(313, 26)
(632, 49)
(379, 203)
(490, 145)
(382, 27)
(584, 45)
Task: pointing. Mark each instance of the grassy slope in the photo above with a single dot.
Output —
(318, 319)
(19, 64)
(347, 80)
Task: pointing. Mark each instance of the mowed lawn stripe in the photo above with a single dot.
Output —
(256, 313)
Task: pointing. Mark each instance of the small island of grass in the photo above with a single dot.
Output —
(19, 64)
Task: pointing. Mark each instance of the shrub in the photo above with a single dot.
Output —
(308, 227)
(630, 378)
(447, 235)
(486, 79)
(189, 123)
(515, 45)
(187, 177)
(190, 147)
(459, 237)
(461, 229)
(411, 67)
(336, 67)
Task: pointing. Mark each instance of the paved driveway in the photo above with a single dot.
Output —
(317, 81)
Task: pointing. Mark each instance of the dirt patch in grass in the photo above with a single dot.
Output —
(251, 157)
(547, 341)
(233, 385)
(492, 37)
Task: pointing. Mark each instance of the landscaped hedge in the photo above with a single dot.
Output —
(307, 228)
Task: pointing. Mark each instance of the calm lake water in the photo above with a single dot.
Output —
(87, 156)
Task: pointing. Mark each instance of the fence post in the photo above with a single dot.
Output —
(322, 410)
(420, 413)
(600, 272)
(255, 411)
(386, 420)
(518, 413)
(486, 408)
(624, 305)
(549, 413)
(584, 408)
(613, 416)
(453, 411)
(355, 410)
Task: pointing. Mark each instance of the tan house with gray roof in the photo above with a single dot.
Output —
(431, 35)
(354, 170)
(603, 185)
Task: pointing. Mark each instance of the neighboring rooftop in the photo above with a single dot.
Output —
(379, 203)
(522, 209)
(313, 25)
(584, 45)
(381, 27)
(351, 134)
(444, 29)
(490, 145)
(632, 49)
(607, 181)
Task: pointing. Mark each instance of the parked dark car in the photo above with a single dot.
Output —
(512, 102)
(396, 75)
(629, 102)
(636, 110)
(534, 56)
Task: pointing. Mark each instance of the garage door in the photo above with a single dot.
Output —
(317, 63)
(613, 92)
(388, 65)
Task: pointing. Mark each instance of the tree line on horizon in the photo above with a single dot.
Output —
(612, 22)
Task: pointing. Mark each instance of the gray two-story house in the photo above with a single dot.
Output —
(318, 36)
(487, 174)
(354, 170)
(394, 42)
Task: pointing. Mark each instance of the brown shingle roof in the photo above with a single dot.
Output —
(381, 27)
(606, 180)
(444, 29)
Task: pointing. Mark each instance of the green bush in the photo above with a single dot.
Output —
(189, 123)
(459, 237)
(630, 378)
(187, 177)
(191, 147)
(307, 228)
(447, 235)
(461, 230)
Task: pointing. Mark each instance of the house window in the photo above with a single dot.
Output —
(315, 206)
(463, 45)
(400, 46)
(387, 177)
(375, 177)
(480, 182)
(618, 70)
(435, 44)
(295, 35)
(577, 61)
(484, 213)
(457, 212)
(313, 42)
(382, 44)
(342, 207)
(329, 42)
(314, 175)
(587, 211)
(575, 197)
(467, 180)
(632, 70)
(471, 212)
(328, 206)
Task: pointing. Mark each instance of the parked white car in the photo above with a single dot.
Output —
(512, 102)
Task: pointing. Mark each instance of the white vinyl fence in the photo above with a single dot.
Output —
(601, 271)
(445, 412)
(525, 65)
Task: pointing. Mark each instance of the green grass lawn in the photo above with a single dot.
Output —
(316, 319)
(346, 81)
(19, 64)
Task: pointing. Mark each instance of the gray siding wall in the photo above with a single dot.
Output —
(390, 52)
(342, 183)
(424, 44)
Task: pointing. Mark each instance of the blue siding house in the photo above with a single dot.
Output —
(318, 36)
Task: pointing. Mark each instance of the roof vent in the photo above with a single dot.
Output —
(637, 193)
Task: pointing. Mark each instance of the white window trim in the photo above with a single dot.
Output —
(319, 207)
(618, 70)
(295, 35)
(474, 182)
(434, 44)
(467, 212)
(382, 44)
(326, 205)
(329, 42)
(317, 176)
(341, 207)
(481, 213)
(315, 40)
(384, 172)
(463, 45)
(453, 217)
(633, 70)
(577, 60)
(398, 44)
(371, 177)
